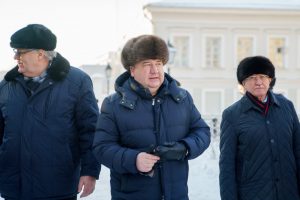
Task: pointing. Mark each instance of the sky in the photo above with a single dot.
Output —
(86, 30)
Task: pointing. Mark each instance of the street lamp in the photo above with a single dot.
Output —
(108, 70)
(172, 52)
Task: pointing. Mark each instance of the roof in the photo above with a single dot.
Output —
(253, 4)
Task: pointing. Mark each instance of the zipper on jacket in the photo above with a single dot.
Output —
(47, 103)
(156, 115)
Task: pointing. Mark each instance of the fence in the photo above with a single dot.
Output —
(214, 124)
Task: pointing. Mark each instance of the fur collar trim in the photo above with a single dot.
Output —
(58, 71)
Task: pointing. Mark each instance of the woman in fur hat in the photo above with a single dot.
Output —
(260, 139)
(150, 128)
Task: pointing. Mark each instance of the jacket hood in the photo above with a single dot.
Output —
(57, 71)
(129, 89)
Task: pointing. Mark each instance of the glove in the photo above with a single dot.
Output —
(171, 151)
(149, 174)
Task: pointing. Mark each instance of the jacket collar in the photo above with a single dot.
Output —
(247, 104)
(130, 90)
(58, 71)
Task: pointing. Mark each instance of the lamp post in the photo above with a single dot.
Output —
(172, 51)
(108, 70)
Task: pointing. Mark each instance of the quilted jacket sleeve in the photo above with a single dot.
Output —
(106, 147)
(87, 113)
(1, 128)
(198, 138)
(1, 115)
(296, 140)
(227, 162)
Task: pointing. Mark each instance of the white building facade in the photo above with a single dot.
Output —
(211, 39)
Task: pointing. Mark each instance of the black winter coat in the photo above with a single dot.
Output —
(47, 136)
(131, 121)
(260, 155)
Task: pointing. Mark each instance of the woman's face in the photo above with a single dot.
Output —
(258, 85)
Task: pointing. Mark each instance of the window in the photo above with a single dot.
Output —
(182, 45)
(213, 48)
(298, 103)
(277, 51)
(244, 47)
(297, 52)
(197, 97)
(239, 92)
(213, 102)
(281, 91)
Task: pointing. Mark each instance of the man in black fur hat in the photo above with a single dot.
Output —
(48, 114)
(260, 139)
(150, 128)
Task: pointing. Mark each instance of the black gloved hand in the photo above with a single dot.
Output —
(171, 151)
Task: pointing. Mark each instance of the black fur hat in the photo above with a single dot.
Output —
(255, 65)
(33, 36)
(144, 47)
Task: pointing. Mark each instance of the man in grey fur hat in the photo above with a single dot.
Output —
(48, 115)
(149, 129)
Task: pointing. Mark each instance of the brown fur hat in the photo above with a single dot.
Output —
(144, 47)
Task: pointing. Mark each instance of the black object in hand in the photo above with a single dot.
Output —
(171, 151)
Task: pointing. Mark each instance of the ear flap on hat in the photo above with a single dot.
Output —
(272, 83)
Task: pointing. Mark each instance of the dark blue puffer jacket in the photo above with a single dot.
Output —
(131, 121)
(47, 137)
(260, 155)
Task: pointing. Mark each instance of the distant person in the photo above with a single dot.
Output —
(260, 139)
(150, 128)
(48, 114)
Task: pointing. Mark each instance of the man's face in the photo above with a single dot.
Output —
(258, 85)
(28, 61)
(149, 73)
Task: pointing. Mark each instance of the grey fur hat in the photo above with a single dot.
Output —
(144, 47)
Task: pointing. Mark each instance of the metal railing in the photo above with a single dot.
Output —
(214, 124)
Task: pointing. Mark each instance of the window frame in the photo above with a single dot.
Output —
(204, 55)
(204, 102)
(298, 51)
(235, 53)
(190, 48)
(285, 55)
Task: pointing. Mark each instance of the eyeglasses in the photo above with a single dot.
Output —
(256, 77)
(22, 52)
